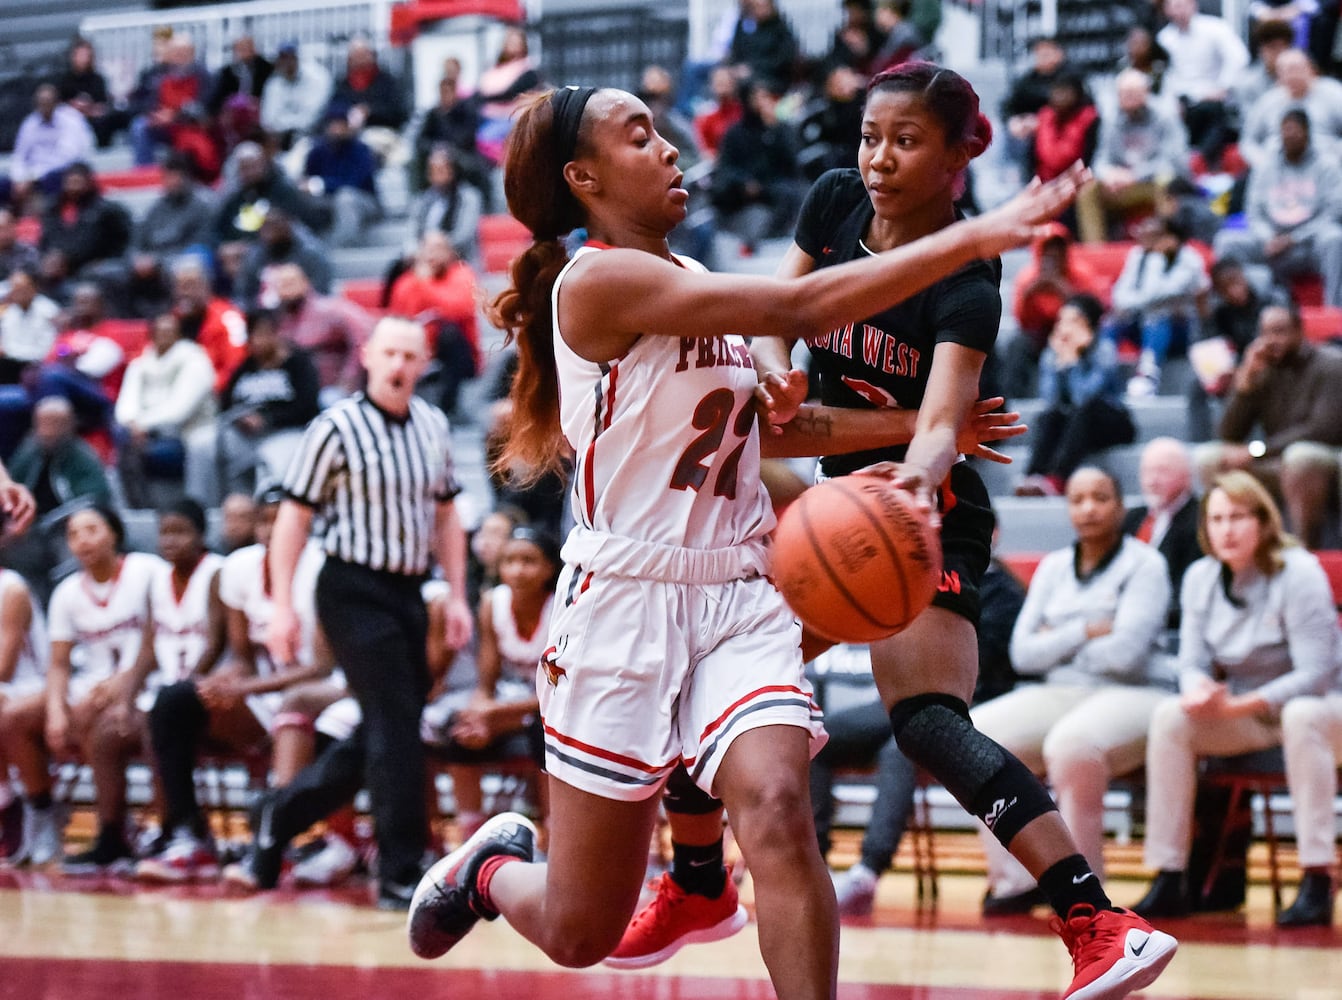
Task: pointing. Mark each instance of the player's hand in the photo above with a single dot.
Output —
(282, 636)
(781, 394)
(18, 507)
(986, 425)
(911, 479)
(1023, 219)
(457, 625)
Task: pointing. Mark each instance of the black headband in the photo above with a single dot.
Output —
(569, 103)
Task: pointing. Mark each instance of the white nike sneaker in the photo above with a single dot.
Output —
(329, 866)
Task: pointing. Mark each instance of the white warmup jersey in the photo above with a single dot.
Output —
(664, 437)
(244, 585)
(518, 654)
(30, 668)
(104, 621)
(181, 622)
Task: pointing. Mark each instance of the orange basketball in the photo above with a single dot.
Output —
(855, 559)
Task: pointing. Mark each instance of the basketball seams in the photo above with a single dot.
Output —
(823, 562)
(854, 493)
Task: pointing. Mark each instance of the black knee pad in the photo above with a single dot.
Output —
(935, 733)
(682, 795)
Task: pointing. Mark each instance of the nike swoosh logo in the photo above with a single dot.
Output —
(1135, 950)
(702, 864)
(1078, 879)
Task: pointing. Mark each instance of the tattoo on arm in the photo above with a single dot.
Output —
(813, 422)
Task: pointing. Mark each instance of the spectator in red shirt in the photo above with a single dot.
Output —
(440, 293)
(710, 126)
(332, 330)
(180, 93)
(1069, 128)
(213, 323)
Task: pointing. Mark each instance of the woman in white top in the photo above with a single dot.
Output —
(167, 392)
(97, 623)
(1088, 631)
(23, 665)
(1258, 628)
(500, 718)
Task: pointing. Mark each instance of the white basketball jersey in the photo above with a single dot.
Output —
(244, 585)
(519, 654)
(31, 665)
(104, 621)
(182, 624)
(665, 438)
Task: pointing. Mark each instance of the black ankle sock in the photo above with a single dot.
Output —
(42, 800)
(1071, 881)
(699, 870)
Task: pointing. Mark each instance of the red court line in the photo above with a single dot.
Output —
(86, 980)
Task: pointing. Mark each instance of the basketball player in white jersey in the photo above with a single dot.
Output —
(97, 622)
(23, 668)
(669, 643)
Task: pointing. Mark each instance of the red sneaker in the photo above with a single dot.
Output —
(674, 919)
(1114, 952)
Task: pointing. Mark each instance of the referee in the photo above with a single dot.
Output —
(377, 467)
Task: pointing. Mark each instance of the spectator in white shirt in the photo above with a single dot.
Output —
(1206, 58)
(1298, 86)
(51, 137)
(294, 95)
(27, 326)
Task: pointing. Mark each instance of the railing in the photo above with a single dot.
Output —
(320, 27)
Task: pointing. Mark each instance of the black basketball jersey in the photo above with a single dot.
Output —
(884, 360)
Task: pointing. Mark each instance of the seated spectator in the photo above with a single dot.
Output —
(96, 626)
(696, 236)
(1259, 628)
(831, 123)
(1141, 149)
(1311, 733)
(1298, 86)
(62, 473)
(485, 549)
(28, 327)
(1206, 58)
(81, 86)
(81, 229)
(1084, 411)
(1143, 54)
(23, 668)
(756, 182)
(448, 204)
(330, 329)
(1270, 39)
(1089, 630)
(267, 402)
(499, 89)
(51, 138)
(902, 37)
(259, 187)
(1168, 516)
(1028, 95)
(237, 522)
(15, 253)
(281, 241)
(294, 95)
(178, 221)
(212, 322)
(1067, 128)
(1285, 389)
(857, 38)
(1157, 298)
(439, 292)
(340, 173)
(373, 98)
(724, 111)
(1053, 276)
(763, 46)
(166, 395)
(174, 107)
(453, 122)
(245, 75)
(86, 364)
(499, 719)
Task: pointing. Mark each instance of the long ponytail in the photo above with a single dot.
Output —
(539, 198)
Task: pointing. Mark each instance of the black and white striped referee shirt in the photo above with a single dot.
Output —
(376, 480)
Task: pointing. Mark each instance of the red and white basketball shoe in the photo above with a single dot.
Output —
(1114, 952)
(674, 919)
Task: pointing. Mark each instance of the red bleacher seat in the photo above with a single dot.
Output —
(132, 179)
(1307, 290)
(1105, 259)
(131, 334)
(1321, 322)
(1022, 565)
(366, 292)
(501, 239)
(1331, 560)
